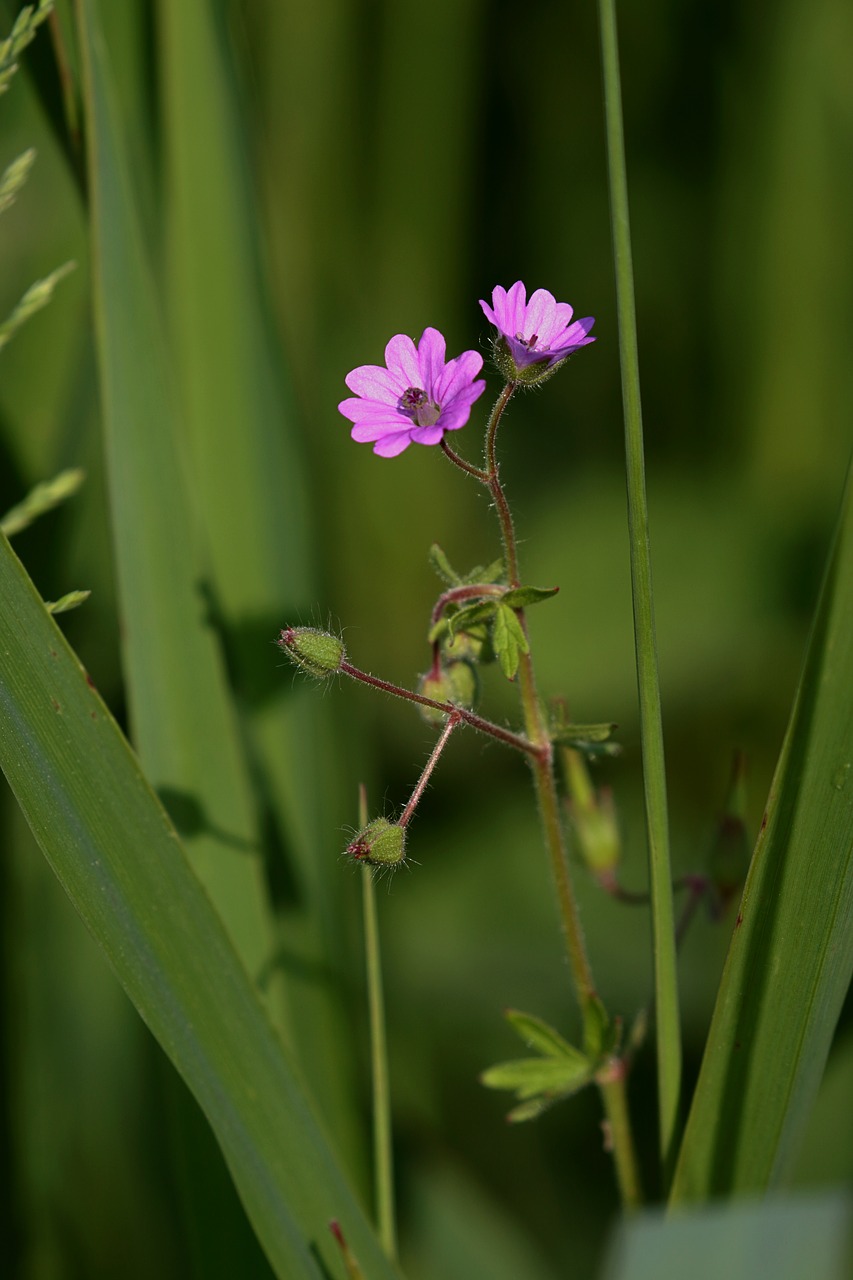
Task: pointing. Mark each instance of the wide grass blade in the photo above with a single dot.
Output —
(182, 720)
(252, 495)
(111, 844)
(791, 956)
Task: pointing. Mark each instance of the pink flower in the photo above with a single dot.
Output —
(538, 332)
(416, 398)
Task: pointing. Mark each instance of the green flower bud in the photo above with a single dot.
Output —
(456, 683)
(318, 653)
(380, 844)
(467, 646)
(593, 817)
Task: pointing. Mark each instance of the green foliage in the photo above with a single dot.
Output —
(508, 639)
(14, 177)
(37, 296)
(791, 957)
(559, 1072)
(26, 24)
(42, 497)
(117, 855)
(255, 231)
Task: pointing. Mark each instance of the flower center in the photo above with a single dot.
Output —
(530, 342)
(416, 404)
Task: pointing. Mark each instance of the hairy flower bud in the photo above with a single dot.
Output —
(318, 653)
(456, 683)
(380, 844)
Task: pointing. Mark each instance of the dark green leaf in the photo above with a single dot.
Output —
(111, 845)
(521, 597)
(791, 955)
(480, 611)
(508, 640)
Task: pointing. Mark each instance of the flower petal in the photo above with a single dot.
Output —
(429, 435)
(457, 373)
(359, 410)
(375, 429)
(515, 309)
(431, 352)
(389, 446)
(372, 382)
(539, 317)
(401, 357)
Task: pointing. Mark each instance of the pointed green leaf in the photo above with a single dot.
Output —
(442, 566)
(532, 1109)
(470, 615)
(508, 640)
(521, 597)
(791, 956)
(489, 573)
(529, 1076)
(581, 735)
(538, 1035)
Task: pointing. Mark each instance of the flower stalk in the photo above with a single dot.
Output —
(492, 730)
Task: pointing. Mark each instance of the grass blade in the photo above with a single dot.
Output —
(110, 843)
(667, 1022)
(183, 724)
(791, 957)
(252, 495)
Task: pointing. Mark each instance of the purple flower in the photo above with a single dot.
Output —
(538, 332)
(416, 398)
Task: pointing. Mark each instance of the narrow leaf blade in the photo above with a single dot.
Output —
(790, 960)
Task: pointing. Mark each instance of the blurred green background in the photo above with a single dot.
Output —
(405, 159)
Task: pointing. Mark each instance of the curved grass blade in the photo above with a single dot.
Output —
(791, 957)
(112, 847)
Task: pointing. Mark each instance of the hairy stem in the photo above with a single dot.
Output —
(453, 720)
(613, 1085)
(506, 736)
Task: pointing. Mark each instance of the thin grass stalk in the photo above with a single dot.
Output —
(383, 1159)
(660, 875)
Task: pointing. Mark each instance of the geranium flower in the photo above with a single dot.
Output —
(535, 336)
(416, 398)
